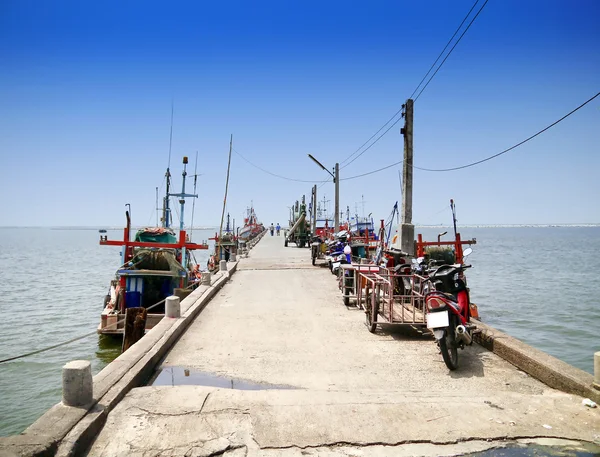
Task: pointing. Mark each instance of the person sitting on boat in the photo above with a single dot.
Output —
(197, 272)
(278, 228)
(272, 228)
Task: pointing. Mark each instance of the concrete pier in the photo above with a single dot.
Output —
(267, 361)
(317, 382)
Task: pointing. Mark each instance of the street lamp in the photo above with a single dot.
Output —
(336, 181)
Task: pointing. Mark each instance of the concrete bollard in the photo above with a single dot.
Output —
(206, 278)
(233, 258)
(597, 370)
(173, 307)
(77, 384)
(223, 265)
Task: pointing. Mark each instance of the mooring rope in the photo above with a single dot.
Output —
(72, 340)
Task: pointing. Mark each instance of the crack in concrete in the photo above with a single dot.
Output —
(156, 413)
(228, 410)
(204, 402)
(403, 442)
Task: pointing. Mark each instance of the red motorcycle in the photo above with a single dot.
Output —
(449, 311)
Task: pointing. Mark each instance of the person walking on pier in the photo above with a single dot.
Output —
(272, 228)
(278, 228)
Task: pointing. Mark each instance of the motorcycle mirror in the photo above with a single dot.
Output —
(415, 261)
(466, 252)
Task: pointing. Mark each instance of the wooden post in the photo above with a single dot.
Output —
(135, 326)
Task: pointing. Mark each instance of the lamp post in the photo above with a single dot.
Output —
(336, 181)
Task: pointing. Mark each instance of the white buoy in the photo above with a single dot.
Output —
(77, 384)
(173, 307)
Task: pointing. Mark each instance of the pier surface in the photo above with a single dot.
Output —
(298, 373)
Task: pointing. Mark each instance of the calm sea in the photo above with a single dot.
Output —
(535, 283)
(52, 289)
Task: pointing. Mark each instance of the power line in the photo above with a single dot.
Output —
(374, 142)
(370, 138)
(274, 174)
(452, 49)
(516, 145)
(371, 172)
(424, 77)
(444, 50)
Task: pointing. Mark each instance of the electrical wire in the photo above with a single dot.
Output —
(452, 49)
(274, 174)
(371, 172)
(372, 136)
(444, 50)
(512, 147)
(374, 142)
(417, 88)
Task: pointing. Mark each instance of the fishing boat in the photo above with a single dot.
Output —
(252, 227)
(225, 245)
(155, 264)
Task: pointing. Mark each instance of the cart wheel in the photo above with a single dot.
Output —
(347, 289)
(371, 314)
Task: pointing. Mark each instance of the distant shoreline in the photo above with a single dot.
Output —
(575, 225)
(92, 228)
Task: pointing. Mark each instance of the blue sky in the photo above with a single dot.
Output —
(86, 91)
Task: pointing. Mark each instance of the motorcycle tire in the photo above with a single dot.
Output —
(449, 348)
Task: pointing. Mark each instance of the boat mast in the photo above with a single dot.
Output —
(166, 209)
(225, 199)
(182, 196)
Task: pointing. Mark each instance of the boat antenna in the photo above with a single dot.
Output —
(225, 199)
(170, 137)
(194, 201)
(156, 208)
(453, 215)
(166, 208)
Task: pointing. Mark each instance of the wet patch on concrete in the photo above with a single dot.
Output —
(179, 376)
(536, 450)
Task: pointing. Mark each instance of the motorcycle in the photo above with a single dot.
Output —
(449, 311)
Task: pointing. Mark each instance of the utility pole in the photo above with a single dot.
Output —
(314, 209)
(337, 194)
(407, 232)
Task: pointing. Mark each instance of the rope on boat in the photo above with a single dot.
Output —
(72, 340)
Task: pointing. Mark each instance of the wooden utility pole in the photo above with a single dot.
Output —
(407, 233)
(337, 197)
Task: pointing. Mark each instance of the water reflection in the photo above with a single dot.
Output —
(109, 348)
(179, 376)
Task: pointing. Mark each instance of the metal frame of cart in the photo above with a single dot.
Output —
(392, 299)
(347, 284)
